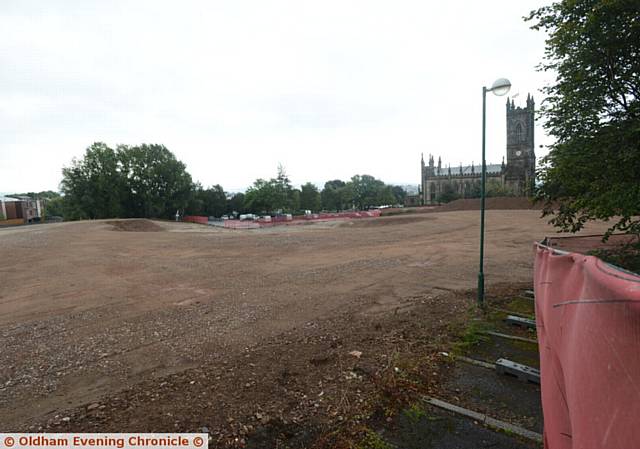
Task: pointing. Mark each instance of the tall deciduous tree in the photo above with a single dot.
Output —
(94, 185)
(284, 196)
(593, 110)
(141, 181)
(309, 197)
(215, 201)
(261, 196)
(272, 196)
(235, 203)
(399, 194)
(333, 196)
(157, 183)
(207, 202)
(368, 191)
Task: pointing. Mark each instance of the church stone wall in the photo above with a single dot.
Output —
(517, 175)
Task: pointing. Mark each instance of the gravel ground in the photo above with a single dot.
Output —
(161, 326)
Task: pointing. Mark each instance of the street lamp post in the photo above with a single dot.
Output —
(500, 87)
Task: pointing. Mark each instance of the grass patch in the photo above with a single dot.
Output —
(525, 346)
(372, 440)
(414, 413)
(471, 337)
(521, 306)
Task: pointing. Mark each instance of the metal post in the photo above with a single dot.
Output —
(482, 194)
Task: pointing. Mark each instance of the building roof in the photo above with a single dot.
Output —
(466, 170)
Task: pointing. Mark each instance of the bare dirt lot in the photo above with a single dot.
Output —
(171, 326)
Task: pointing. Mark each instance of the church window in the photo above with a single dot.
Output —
(519, 136)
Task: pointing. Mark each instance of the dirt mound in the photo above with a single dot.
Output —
(407, 210)
(135, 226)
(496, 203)
(386, 221)
(125, 310)
(583, 244)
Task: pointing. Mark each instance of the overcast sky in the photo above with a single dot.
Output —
(233, 87)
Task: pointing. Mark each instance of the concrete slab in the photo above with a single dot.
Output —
(522, 372)
(520, 321)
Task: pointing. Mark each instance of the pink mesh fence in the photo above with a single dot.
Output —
(588, 321)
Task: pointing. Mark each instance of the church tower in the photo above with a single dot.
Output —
(521, 156)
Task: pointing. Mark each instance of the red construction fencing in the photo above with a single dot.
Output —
(241, 224)
(588, 320)
(298, 219)
(326, 215)
(196, 219)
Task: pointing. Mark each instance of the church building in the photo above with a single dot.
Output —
(516, 176)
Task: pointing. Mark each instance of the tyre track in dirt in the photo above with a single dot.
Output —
(163, 302)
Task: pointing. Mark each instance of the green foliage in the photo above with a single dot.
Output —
(261, 196)
(236, 203)
(495, 188)
(148, 181)
(365, 190)
(472, 336)
(335, 195)
(296, 198)
(361, 192)
(44, 195)
(284, 196)
(415, 413)
(53, 202)
(310, 197)
(273, 196)
(94, 186)
(593, 111)
(385, 196)
(627, 256)
(207, 202)
(54, 207)
(473, 189)
(399, 194)
(140, 181)
(372, 440)
(449, 193)
(156, 184)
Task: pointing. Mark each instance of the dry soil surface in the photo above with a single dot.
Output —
(96, 320)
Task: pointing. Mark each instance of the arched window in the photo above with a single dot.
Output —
(519, 136)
